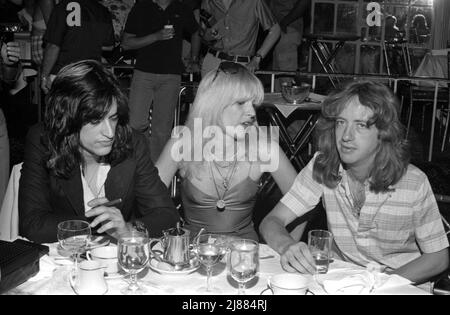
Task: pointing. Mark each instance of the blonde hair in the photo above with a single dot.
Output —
(218, 90)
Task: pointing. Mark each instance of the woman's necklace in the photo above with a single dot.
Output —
(220, 204)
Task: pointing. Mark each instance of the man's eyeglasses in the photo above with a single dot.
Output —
(227, 67)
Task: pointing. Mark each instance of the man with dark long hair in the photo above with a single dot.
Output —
(380, 208)
(86, 154)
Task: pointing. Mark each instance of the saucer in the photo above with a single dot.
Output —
(191, 268)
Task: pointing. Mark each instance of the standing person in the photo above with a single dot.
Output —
(41, 16)
(219, 191)
(9, 61)
(86, 154)
(289, 14)
(232, 29)
(379, 207)
(155, 29)
(77, 30)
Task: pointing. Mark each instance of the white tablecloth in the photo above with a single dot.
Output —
(433, 65)
(53, 279)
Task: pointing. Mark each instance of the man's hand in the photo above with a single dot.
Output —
(165, 34)
(111, 218)
(46, 84)
(253, 65)
(297, 258)
(10, 53)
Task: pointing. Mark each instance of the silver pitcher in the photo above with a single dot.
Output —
(175, 247)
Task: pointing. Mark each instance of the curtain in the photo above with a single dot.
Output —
(441, 24)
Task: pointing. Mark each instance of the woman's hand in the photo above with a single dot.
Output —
(110, 218)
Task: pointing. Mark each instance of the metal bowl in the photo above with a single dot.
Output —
(295, 94)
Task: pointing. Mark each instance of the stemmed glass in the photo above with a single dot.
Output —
(133, 254)
(210, 249)
(243, 262)
(73, 236)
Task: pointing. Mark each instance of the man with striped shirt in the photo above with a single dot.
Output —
(379, 207)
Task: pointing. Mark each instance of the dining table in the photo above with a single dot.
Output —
(55, 270)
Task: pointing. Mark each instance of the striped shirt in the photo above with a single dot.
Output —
(392, 228)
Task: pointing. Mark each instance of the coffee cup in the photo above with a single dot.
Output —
(288, 284)
(107, 256)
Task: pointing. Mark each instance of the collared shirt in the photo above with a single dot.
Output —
(392, 228)
(162, 56)
(238, 26)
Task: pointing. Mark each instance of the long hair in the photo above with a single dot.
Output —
(392, 159)
(83, 92)
(218, 90)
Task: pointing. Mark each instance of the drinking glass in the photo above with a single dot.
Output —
(133, 253)
(319, 244)
(210, 249)
(73, 236)
(243, 262)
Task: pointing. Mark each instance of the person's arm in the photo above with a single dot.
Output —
(297, 12)
(131, 41)
(284, 175)
(51, 54)
(294, 256)
(430, 237)
(37, 219)
(166, 165)
(46, 7)
(153, 204)
(269, 41)
(426, 266)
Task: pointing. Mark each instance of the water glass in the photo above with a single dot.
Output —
(133, 253)
(210, 249)
(243, 262)
(319, 244)
(73, 236)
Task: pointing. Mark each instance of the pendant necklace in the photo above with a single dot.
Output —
(220, 204)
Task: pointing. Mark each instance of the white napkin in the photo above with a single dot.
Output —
(363, 282)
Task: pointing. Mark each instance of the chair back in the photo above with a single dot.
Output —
(9, 211)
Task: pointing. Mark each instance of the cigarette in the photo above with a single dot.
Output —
(111, 203)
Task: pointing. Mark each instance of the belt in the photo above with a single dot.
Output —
(225, 56)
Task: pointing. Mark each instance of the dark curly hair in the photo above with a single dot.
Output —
(83, 92)
(391, 161)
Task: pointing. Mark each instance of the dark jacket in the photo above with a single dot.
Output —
(46, 200)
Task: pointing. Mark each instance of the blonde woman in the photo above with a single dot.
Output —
(221, 154)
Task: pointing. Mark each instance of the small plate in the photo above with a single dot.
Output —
(154, 266)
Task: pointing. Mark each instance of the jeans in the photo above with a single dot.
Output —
(4, 156)
(285, 54)
(158, 92)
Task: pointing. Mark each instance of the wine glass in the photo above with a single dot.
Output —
(210, 249)
(73, 236)
(243, 262)
(133, 254)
